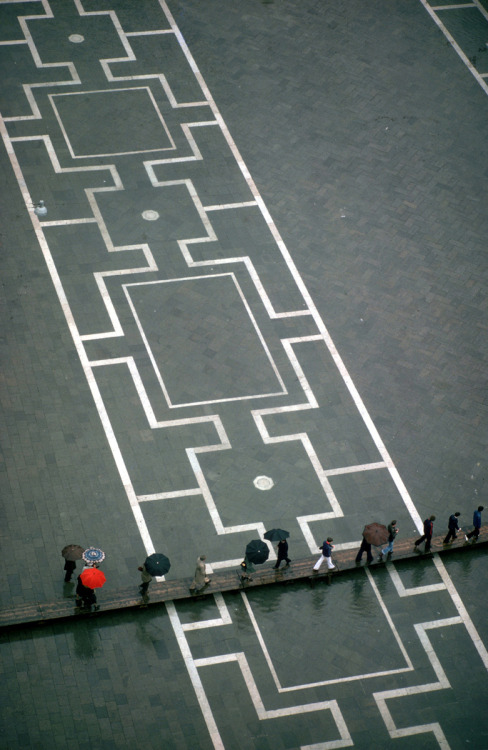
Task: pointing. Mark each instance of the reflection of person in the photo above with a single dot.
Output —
(453, 526)
(365, 547)
(476, 524)
(427, 535)
(69, 566)
(282, 550)
(392, 532)
(146, 579)
(85, 596)
(326, 548)
(200, 580)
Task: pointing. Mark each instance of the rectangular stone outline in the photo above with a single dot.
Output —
(51, 98)
(283, 392)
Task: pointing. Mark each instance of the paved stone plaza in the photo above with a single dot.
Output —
(257, 299)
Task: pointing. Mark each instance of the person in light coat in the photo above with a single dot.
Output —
(200, 580)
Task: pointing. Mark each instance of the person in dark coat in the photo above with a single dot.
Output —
(476, 524)
(453, 526)
(392, 532)
(85, 596)
(282, 550)
(365, 547)
(69, 567)
(427, 535)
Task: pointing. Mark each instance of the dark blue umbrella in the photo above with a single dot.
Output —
(157, 564)
(276, 535)
(257, 551)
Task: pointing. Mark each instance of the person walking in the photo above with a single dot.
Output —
(326, 548)
(146, 579)
(85, 597)
(365, 547)
(392, 532)
(282, 550)
(427, 535)
(476, 524)
(69, 567)
(453, 526)
(200, 579)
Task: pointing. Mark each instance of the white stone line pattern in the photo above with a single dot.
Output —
(75, 79)
(247, 307)
(105, 63)
(224, 619)
(402, 591)
(90, 376)
(263, 713)
(185, 244)
(432, 13)
(352, 678)
(441, 684)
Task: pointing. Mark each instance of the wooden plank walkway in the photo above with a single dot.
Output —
(228, 580)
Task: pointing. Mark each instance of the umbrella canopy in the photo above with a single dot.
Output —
(72, 552)
(93, 555)
(93, 578)
(157, 564)
(257, 551)
(376, 534)
(276, 535)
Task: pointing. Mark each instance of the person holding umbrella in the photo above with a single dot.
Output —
(88, 580)
(280, 536)
(71, 553)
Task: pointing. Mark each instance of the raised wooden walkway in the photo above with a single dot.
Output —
(229, 580)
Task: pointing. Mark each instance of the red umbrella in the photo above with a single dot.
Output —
(93, 578)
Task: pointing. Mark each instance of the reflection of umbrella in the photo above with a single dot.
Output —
(276, 535)
(93, 555)
(376, 534)
(93, 578)
(72, 552)
(157, 564)
(257, 551)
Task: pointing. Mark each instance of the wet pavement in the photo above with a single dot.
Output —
(258, 299)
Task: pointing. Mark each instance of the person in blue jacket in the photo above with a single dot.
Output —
(476, 524)
(453, 526)
(326, 548)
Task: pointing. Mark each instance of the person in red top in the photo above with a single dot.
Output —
(427, 535)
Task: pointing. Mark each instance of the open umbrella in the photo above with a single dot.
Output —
(157, 564)
(257, 551)
(72, 552)
(276, 535)
(93, 578)
(375, 534)
(93, 555)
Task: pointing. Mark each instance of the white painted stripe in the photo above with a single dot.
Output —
(455, 46)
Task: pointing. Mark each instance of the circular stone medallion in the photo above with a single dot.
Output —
(150, 215)
(263, 483)
(76, 38)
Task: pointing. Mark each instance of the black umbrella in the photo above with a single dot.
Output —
(157, 564)
(72, 552)
(276, 535)
(257, 551)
